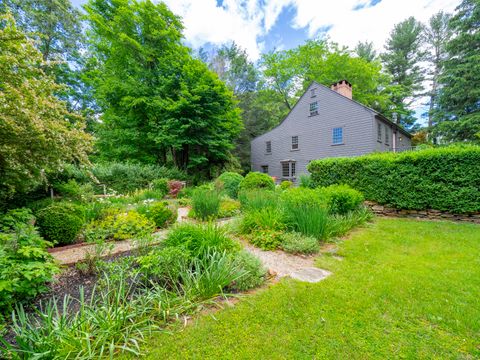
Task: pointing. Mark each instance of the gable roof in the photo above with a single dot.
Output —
(376, 113)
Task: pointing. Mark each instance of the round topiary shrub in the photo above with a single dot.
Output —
(256, 180)
(60, 222)
(342, 198)
(229, 182)
(285, 184)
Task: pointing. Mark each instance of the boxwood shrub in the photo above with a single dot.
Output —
(256, 180)
(443, 178)
(229, 182)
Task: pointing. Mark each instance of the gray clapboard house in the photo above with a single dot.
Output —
(325, 122)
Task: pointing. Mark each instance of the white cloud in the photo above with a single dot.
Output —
(245, 21)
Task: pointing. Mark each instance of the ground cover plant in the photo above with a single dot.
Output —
(396, 293)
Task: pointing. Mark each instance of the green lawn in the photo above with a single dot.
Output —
(405, 289)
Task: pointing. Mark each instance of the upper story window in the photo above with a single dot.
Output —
(337, 136)
(387, 135)
(314, 108)
(268, 147)
(313, 92)
(379, 132)
(294, 142)
(265, 169)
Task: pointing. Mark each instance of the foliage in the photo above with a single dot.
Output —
(14, 218)
(229, 182)
(339, 225)
(301, 196)
(158, 212)
(366, 50)
(342, 198)
(459, 108)
(174, 188)
(256, 180)
(25, 266)
(228, 208)
(60, 222)
(266, 239)
(258, 199)
(44, 134)
(254, 271)
(402, 60)
(205, 204)
(407, 267)
(120, 226)
(267, 218)
(75, 191)
(296, 243)
(438, 178)
(310, 219)
(285, 184)
(161, 185)
(196, 240)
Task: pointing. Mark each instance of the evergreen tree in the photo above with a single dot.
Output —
(459, 98)
(402, 60)
(366, 51)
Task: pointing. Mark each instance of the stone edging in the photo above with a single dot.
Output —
(430, 214)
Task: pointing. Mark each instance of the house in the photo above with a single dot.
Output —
(325, 122)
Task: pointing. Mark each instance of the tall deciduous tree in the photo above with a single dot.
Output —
(402, 60)
(459, 98)
(37, 132)
(437, 34)
(158, 103)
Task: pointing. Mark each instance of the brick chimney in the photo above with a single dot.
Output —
(343, 87)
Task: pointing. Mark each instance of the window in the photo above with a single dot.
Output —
(313, 92)
(387, 136)
(337, 136)
(288, 169)
(294, 142)
(268, 147)
(379, 132)
(265, 169)
(314, 108)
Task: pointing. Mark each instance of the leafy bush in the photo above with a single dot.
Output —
(285, 184)
(300, 196)
(161, 185)
(197, 239)
(228, 208)
(297, 243)
(264, 219)
(174, 187)
(120, 226)
(305, 181)
(164, 266)
(75, 191)
(342, 198)
(25, 266)
(158, 212)
(258, 199)
(60, 222)
(254, 270)
(205, 204)
(444, 179)
(256, 180)
(15, 218)
(229, 182)
(145, 194)
(266, 239)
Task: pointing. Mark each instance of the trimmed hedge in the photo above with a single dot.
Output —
(256, 180)
(446, 179)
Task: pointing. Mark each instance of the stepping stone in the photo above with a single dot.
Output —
(311, 274)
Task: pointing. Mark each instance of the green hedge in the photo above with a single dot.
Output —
(446, 178)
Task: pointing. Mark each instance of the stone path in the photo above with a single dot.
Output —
(277, 262)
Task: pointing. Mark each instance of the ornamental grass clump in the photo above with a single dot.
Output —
(258, 199)
(205, 204)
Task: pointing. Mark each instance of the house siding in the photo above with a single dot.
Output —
(315, 132)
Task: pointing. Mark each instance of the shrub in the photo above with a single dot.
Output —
(164, 266)
(120, 226)
(15, 218)
(258, 199)
(264, 219)
(266, 239)
(161, 185)
(256, 180)
(342, 198)
(254, 270)
(205, 204)
(444, 178)
(145, 194)
(75, 191)
(300, 196)
(60, 222)
(158, 212)
(25, 266)
(174, 187)
(229, 208)
(297, 243)
(229, 182)
(197, 239)
(285, 184)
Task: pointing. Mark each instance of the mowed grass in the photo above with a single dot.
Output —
(405, 289)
